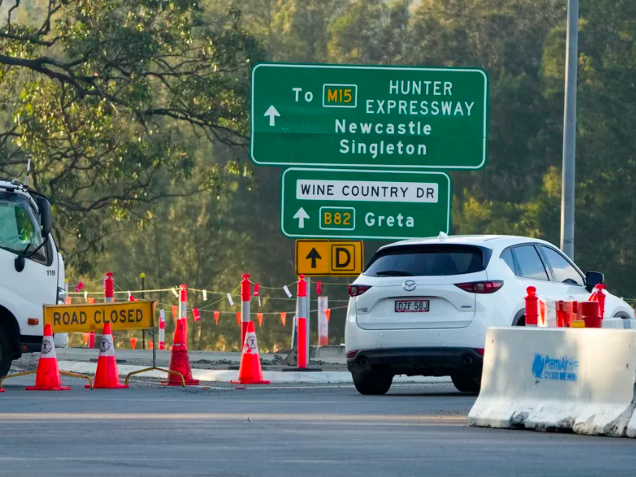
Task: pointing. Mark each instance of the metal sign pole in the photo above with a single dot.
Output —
(143, 295)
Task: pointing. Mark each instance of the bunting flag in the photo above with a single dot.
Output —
(256, 289)
(318, 288)
(328, 314)
(216, 317)
(259, 317)
(175, 292)
(238, 318)
(69, 300)
(175, 312)
(91, 300)
(287, 292)
(196, 315)
(86, 296)
(283, 317)
(80, 285)
(229, 298)
(205, 295)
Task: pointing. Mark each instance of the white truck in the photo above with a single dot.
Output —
(31, 271)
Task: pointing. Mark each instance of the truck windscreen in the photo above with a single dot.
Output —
(19, 227)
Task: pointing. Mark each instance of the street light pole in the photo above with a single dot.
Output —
(569, 131)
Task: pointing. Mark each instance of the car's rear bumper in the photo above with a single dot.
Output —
(441, 361)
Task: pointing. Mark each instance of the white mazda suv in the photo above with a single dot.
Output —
(421, 307)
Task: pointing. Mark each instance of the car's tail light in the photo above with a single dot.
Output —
(481, 287)
(351, 354)
(357, 290)
(480, 351)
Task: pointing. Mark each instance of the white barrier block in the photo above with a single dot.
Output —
(563, 378)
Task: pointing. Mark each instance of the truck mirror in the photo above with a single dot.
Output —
(46, 215)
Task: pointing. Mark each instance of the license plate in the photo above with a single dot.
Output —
(411, 306)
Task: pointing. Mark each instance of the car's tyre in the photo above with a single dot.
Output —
(372, 384)
(6, 353)
(466, 383)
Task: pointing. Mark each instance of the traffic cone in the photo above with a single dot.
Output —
(48, 375)
(250, 371)
(180, 360)
(107, 375)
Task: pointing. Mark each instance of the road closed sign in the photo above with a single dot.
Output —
(324, 257)
(132, 315)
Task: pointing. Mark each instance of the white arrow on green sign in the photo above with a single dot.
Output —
(364, 204)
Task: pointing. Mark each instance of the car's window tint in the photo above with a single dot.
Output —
(507, 257)
(530, 264)
(563, 271)
(422, 260)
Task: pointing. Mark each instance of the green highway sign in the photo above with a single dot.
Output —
(364, 204)
(369, 116)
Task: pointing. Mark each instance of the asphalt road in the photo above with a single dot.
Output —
(279, 431)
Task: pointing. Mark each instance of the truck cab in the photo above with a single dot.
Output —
(31, 271)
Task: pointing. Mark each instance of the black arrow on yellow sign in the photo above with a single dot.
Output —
(313, 256)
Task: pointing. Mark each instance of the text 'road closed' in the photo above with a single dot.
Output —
(136, 315)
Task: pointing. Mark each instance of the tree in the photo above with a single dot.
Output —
(112, 99)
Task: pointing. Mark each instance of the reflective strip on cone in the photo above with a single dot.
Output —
(106, 347)
(48, 347)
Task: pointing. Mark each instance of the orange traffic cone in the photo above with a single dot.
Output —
(250, 371)
(48, 375)
(107, 375)
(179, 359)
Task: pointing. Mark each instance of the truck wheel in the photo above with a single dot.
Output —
(372, 384)
(6, 353)
(466, 383)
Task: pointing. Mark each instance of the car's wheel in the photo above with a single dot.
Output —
(521, 321)
(466, 383)
(6, 354)
(372, 384)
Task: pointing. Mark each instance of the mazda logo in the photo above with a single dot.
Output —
(409, 285)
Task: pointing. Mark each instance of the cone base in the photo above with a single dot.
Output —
(250, 382)
(112, 386)
(189, 382)
(42, 388)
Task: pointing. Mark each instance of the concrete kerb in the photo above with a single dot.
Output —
(558, 379)
(278, 377)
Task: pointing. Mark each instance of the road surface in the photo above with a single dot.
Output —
(282, 431)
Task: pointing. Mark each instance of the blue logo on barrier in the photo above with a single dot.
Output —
(537, 366)
(564, 368)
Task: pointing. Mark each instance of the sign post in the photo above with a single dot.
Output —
(369, 116)
(361, 204)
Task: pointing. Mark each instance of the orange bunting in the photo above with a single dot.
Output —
(150, 345)
(85, 336)
(283, 317)
(216, 317)
(91, 300)
(328, 314)
(238, 318)
(259, 317)
(69, 300)
(175, 311)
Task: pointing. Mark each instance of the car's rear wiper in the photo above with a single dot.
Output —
(393, 273)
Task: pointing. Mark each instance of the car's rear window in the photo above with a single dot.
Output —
(427, 260)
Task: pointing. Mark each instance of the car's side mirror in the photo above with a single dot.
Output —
(46, 215)
(592, 279)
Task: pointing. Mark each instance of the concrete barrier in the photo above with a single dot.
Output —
(558, 379)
